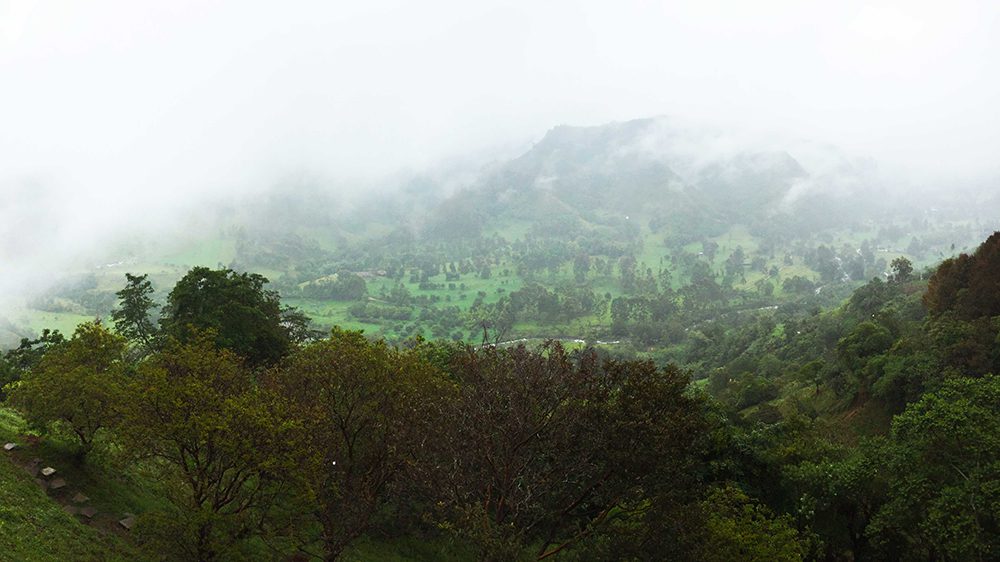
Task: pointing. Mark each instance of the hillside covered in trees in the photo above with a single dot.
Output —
(229, 428)
(499, 281)
(623, 344)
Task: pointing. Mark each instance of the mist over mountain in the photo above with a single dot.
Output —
(684, 178)
(682, 174)
(128, 122)
(571, 280)
(679, 180)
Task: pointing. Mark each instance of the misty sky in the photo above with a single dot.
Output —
(110, 105)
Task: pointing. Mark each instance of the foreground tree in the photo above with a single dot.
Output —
(74, 386)
(194, 418)
(364, 411)
(540, 449)
(8, 375)
(738, 528)
(943, 463)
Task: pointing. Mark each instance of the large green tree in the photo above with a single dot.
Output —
(245, 317)
(364, 411)
(738, 528)
(212, 439)
(74, 387)
(18, 361)
(543, 449)
(943, 467)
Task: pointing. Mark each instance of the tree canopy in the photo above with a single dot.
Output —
(75, 385)
(366, 414)
(236, 307)
(943, 464)
(207, 433)
(968, 285)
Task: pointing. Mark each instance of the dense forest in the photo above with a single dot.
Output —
(867, 430)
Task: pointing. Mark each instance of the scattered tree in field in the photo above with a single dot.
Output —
(581, 266)
(735, 264)
(764, 287)
(797, 285)
(824, 261)
(627, 269)
(345, 285)
(75, 385)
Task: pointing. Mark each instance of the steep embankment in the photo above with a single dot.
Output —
(34, 527)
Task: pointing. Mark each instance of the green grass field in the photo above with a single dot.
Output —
(209, 252)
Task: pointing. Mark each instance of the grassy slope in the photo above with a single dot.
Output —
(34, 526)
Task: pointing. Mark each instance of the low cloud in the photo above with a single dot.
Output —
(121, 115)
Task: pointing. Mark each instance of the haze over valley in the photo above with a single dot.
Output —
(654, 188)
(701, 281)
(120, 117)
